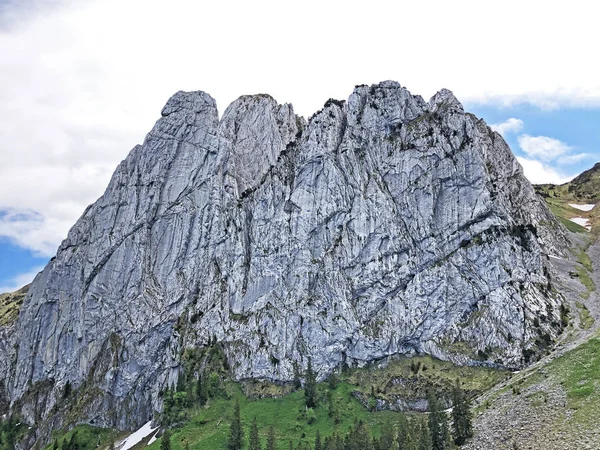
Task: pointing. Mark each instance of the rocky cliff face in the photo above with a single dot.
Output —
(385, 225)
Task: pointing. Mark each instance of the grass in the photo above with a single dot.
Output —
(585, 279)
(88, 437)
(10, 304)
(585, 260)
(585, 319)
(557, 199)
(579, 374)
(208, 428)
(583, 272)
(399, 379)
(571, 226)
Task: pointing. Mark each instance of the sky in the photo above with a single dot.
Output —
(82, 82)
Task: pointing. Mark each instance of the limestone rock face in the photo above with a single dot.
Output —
(384, 225)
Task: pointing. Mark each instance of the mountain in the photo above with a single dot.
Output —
(383, 225)
(571, 202)
(586, 186)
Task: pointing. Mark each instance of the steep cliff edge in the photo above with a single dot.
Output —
(385, 225)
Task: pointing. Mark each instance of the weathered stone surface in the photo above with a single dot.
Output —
(384, 225)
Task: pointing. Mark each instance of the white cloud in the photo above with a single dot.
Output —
(511, 125)
(542, 147)
(539, 173)
(574, 159)
(82, 82)
(18, 281)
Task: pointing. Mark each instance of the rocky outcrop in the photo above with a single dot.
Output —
(384, 225)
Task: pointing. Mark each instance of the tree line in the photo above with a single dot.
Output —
(431, 434)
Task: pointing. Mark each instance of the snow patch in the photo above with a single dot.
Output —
(136, 437)
(153, 439)
(582, 221)
(582, 207)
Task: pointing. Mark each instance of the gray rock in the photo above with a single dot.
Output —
(385, 225)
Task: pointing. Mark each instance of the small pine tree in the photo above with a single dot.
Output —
(359, 438)
(333, 381)
(271, 442)
(297, 382)
(168, 406)
(387, 440)
(310, 386)
(181, 382)
(438, 424)
(318, 444)
(462, 428)
(254, 438)
(165, 441)
(73, 442)
(201, 391)
(68, 389)
(236, 434)
(424, 437)
(330, 404)
(403, 431)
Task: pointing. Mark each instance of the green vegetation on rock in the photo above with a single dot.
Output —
(10, 304)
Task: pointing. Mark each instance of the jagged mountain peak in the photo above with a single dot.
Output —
(385, 225)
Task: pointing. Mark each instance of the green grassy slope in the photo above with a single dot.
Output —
(352, 399)
(555, 405)
(10, 304)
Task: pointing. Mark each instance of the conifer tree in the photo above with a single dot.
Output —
(461, 416)
(236, 434)
(271, 443)
(201, 390)
(254, 438)
(297, 382)
(165, 442)
(424, 437)
(337, 442)
(68, 389)
(333, 381)
(168, 404)
(10, 432)
(330, 404)
(310, 386)
(181, 382)
(359, 438)
(318, 444)
(387, 440)
(403, 432)
(438, 424)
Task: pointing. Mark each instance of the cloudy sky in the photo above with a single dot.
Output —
(81, 85)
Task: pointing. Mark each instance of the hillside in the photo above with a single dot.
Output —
(575, 200)
(10, 303)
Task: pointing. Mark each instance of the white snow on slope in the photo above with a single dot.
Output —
(582, 221)
(152, 439)
(582, 207)
(136, 437)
